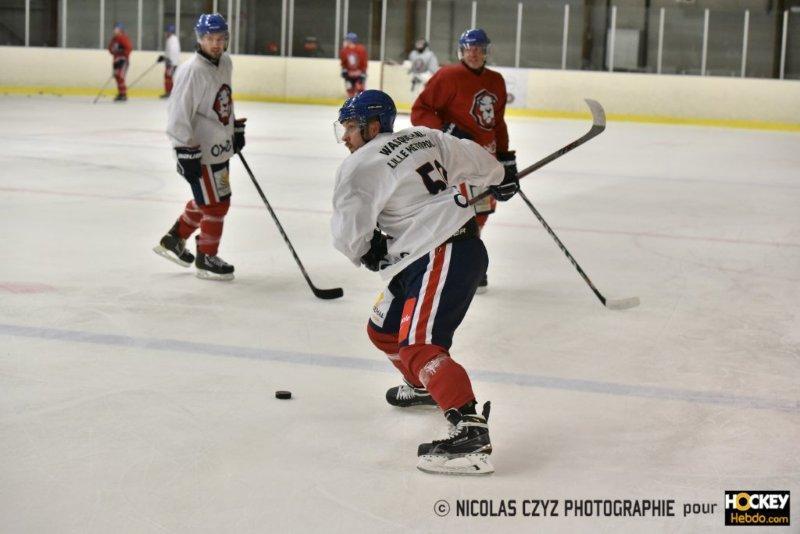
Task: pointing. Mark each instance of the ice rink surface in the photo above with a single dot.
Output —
(135, 397)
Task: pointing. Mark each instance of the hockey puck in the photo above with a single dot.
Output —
(283, 395)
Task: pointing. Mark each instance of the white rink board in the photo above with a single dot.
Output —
(137, 398)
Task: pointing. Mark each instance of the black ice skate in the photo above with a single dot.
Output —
(465, 451)
(120, 98)
(173, 248)
(406, 395)
(212, 267)
(483, 285)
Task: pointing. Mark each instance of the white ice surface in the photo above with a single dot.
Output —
(136, 398)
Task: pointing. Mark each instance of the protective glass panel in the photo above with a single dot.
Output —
(683, 40)
(12, 30)
(260, 27)
(44, 23)
(314, 25)
(542, 34)
(83, 25)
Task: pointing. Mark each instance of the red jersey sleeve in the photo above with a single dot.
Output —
(127, 47)
(434, 97)
(501, 130)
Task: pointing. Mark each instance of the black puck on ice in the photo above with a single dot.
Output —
(283, 395)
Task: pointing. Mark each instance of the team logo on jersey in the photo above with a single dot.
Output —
(223, 104)
(483, 109)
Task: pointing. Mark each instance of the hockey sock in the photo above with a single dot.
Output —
(211, 227)
(387, 343)
(446, 381)
(189, 221)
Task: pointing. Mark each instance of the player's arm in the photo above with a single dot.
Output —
(127, 45)
(433, 64)
(181, 110)
(360, 194)
(434, 97)
(501, 129)
(468, 162)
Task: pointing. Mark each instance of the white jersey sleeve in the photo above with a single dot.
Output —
(405, 183)
(360, 193)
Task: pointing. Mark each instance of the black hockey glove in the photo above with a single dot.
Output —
(509, 161)
(377, 251)
(510, 184)
(189, 163)
(119, 63)
(238, 134)
(455, 131)
(161, 59)
(344, 73)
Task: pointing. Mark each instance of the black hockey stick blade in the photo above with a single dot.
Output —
(598, 126)
(325, 294)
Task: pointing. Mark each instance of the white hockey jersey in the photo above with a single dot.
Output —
(201, 108)
(405, 182)
(172, 50)
(424, 61)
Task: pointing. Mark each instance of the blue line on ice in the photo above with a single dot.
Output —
(380, 365)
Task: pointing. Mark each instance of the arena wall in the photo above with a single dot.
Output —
(719, 101)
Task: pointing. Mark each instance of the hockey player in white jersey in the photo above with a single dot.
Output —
(396, 211)
(171, 57)
(422, 64)
(205, 135)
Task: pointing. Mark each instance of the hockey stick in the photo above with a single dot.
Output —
(620, 304)
(598, 125)
(142, 75)
(326, 294)
(102, 89)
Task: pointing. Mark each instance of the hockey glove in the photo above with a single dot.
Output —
(161, 59)
(344, 73)
(510, 184)
(119, 64)
(377, 251)
(238, 134)
(189, 163)
(509, 161)
(455, 131)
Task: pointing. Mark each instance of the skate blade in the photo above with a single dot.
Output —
(205, 275)
(467, 465)
(164, 253)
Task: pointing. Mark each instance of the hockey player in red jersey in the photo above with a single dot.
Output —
(353, 57)
(468, 100)
(120, 48)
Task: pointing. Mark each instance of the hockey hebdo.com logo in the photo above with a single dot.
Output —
(757, 508)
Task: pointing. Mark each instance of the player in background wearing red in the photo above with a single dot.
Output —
(353, 57)
(120, 48)
(468, 100)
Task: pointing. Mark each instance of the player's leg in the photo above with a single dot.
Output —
(214, 188)
(445, 293)
(382, 329)
(169, 70)
(120, 68)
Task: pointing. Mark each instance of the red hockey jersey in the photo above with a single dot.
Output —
(120, 46)
(354, 59)
(474, 102)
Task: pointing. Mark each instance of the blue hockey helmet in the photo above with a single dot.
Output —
(170, 28)
(119, 26)
(210, 23)
(474, 37)
(367, 105)
(352, 37)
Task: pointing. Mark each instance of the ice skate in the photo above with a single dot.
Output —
(464, 452)
(406, 395)
(483, 285)
(120, 98)
(173, 248)
(212, 267)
